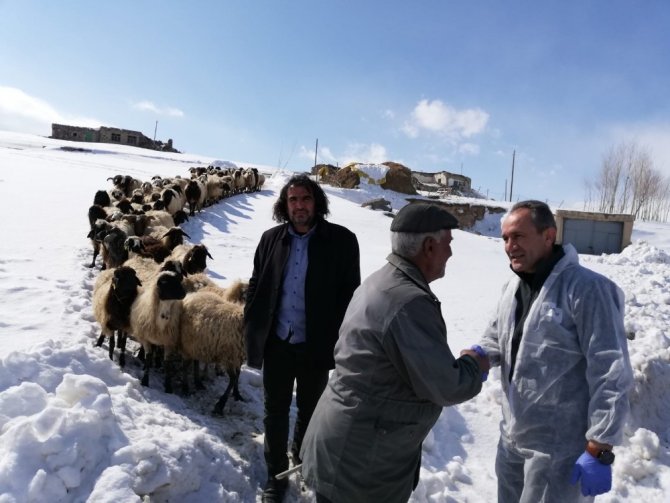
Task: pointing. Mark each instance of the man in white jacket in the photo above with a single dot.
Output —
(558, 337)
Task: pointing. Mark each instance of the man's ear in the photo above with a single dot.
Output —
(550, 234)
(427, 245)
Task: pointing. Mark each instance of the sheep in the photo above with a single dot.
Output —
(154, 321)
(114, 292)
(197, 171)
(145, 267)
(180, 217)
(235, 292)
(113, 235)
(216, 188)
(171, 200)
(196, 193)
(114, 253)
(212, 331)
(192, 258)
(159, 244)
(126, 184)
(160, 217)
(102, 198)
(95, 213)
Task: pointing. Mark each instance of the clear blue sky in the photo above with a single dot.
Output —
(435, 85)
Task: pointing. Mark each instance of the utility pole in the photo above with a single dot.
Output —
(511, 183)
(155, 129)
(316, 150)
(505, 198)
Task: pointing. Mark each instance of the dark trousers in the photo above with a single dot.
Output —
(285, 364)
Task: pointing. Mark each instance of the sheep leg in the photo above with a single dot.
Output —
(184, 376)
(123, 337)
(236, 389)
(96, 250)
(147, 366)
(158, 356)
(112, 344)
(218, 408)
(232, 386)
(169, 371)
(197, 378)
(100, 340)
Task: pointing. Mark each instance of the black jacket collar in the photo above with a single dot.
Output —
(536, 279)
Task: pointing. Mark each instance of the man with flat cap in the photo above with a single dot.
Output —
(394, 371)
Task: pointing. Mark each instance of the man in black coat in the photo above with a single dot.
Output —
(305, 272)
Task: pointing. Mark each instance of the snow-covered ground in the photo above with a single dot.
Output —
(75, 427)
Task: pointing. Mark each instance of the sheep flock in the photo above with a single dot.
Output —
(153, 288)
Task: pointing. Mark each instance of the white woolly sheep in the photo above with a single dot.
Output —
(172, 200)
(212, 331)
(154, 321)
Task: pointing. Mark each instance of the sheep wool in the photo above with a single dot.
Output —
(212, 331)
(114, 293)
(154, 320)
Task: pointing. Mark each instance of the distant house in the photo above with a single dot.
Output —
(594, 233)
(441, 180)
(108, 135)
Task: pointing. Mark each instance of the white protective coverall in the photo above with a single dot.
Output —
(570, 383)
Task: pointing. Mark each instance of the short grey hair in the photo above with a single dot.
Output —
(408, 244)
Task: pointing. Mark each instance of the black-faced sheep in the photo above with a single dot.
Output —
(193, 258)
(154, 321)
(160, 243)
(95, 213)
(126, 183)
(196, 193)
(114, 292)
(212, 331)
(111, 241)
(172, 201)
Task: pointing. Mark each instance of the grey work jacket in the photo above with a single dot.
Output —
(394, 372)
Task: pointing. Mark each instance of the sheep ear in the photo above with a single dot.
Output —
(185, 234)
(91, 234)
(137, 280)
(207, 251)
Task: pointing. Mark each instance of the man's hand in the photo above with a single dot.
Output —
(596, 477)
(482, 359)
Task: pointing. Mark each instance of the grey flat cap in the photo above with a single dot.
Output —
(423, 217)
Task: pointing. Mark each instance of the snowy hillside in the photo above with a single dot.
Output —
(75, 427)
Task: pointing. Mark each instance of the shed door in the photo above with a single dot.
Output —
(592, 236)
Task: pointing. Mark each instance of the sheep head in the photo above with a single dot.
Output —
(170, 286)
(180, 217)
(174, 237)
(195, 259)
(174, 266)
(134, 244)
(125, 282)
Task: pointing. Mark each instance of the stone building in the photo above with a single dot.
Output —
(108, 135)
(441, 180)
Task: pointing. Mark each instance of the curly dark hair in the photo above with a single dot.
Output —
(280, 209)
